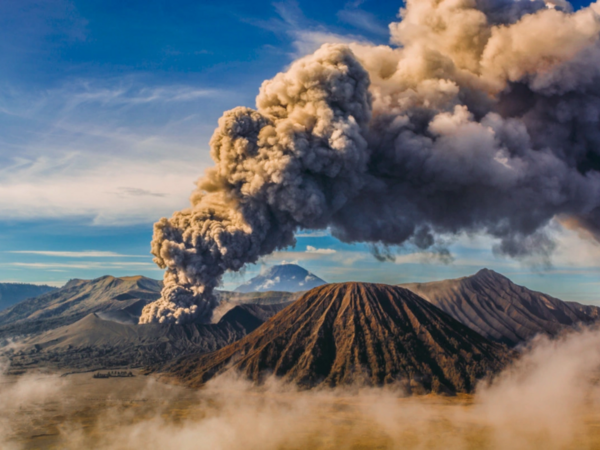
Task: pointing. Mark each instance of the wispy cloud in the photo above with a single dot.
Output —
(345, 258)
(320, 251)
(128, 92)
(307, 41)
(314, 233)
(81, 254)
(83, 265)
(306, 35)
(137, 192)
(39, 283)
(362, 20)
(118, 151)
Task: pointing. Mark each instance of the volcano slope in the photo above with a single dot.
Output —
(363, 333)
(94, 343)
(500, 310)
(110, 298)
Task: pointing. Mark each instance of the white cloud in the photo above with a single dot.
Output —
(307, 41)
(307, 36)
(314, 233)
(120, 152)
(130, 95)
(85, 265)
(96, 191)
(343, 258)
(83, 254)
(39, 283)
(320, 251)
(363, 20)
(574, 250)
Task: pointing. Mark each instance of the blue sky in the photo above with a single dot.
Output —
(106, 109)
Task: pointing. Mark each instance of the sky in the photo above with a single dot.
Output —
(106, 111)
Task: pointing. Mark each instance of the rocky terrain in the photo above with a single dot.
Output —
(500, 310)
(355, 332)
(110, 298)
(284, 278)
(76, 300)
(93, 324)
(93, 343)
(13, 293)
(334, 334)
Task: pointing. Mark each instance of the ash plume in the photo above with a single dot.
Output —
(483, 116)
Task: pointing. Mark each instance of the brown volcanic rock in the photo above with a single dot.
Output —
(500, 310)
(356, 332)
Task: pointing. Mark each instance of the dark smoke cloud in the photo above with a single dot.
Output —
(484, 118)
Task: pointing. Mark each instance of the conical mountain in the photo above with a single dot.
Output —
(500, 310)
(284, 278)
(356, 332)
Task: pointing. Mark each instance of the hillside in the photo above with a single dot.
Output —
(111, 298)
(500, 310)
(77, 299)
(284, 278)
(94, 343)
(13, 293)
(355, 332)
(229, 300)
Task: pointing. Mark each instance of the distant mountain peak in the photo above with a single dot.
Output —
(501, 310)
(488, 274)
(283, 277)
(138, 280)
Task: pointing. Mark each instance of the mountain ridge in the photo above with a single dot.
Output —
(13, 293)
(501, 310)
(93, 343)
(119, 299)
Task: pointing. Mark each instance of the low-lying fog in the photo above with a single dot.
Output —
(549, 399)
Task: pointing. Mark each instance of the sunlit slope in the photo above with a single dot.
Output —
(500, 310)
(95, 343)
(356, 332)
(75, 300)
(112, 298)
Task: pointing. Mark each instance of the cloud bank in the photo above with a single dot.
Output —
(548, 399)
(482, 118)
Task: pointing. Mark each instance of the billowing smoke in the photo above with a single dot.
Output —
(483, 117)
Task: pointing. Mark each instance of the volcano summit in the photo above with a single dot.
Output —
(347, 333)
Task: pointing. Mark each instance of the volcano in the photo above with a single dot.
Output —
(356, 333)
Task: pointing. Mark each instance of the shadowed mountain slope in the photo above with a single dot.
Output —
(12, 293)
(94, 343)
(285, 278)
(356, 332)
(500, 310)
